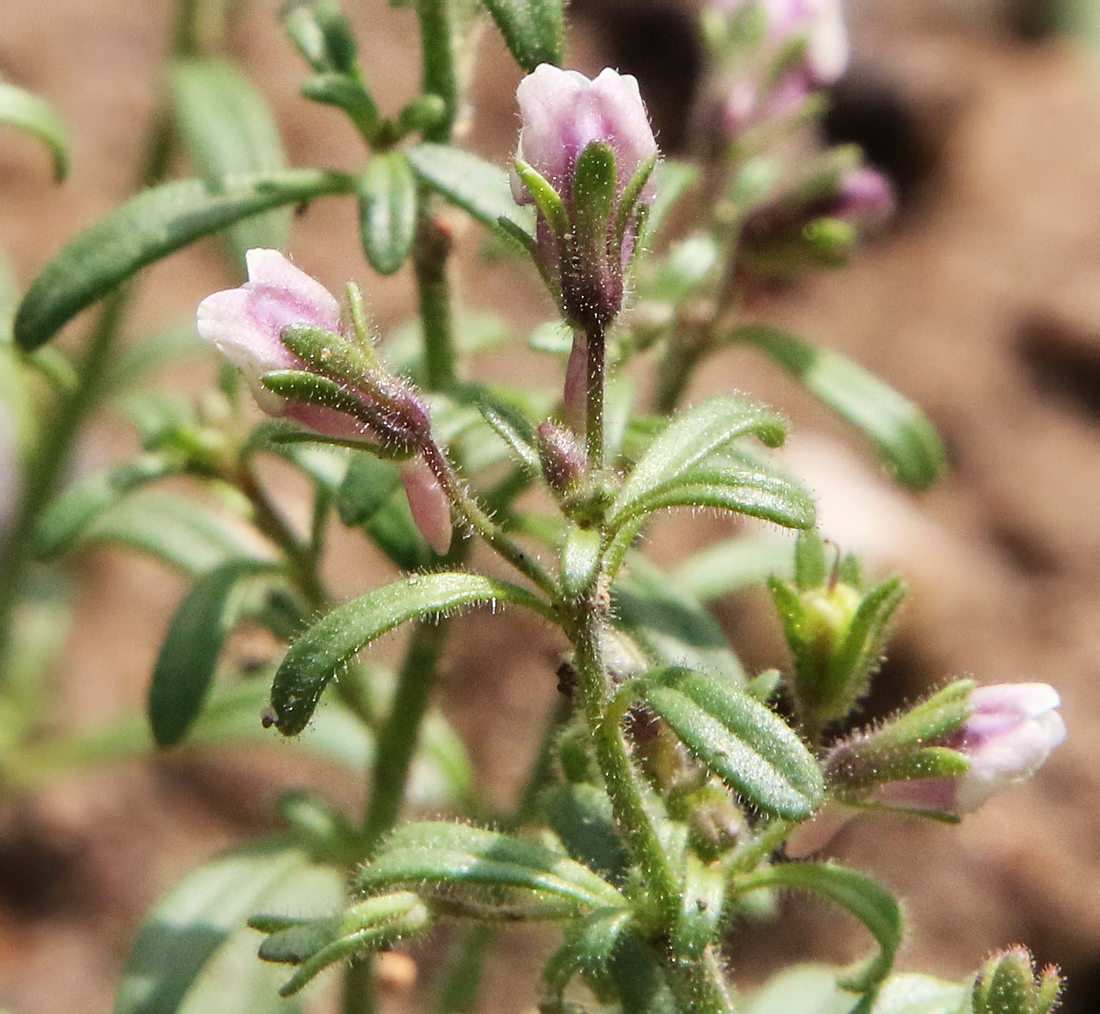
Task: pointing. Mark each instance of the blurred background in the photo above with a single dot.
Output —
(981, 302)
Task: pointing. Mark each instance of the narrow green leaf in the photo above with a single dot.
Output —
(581, 816)
(669, 625)
(67, 518)
(176, 531)
(189, 653)
(692, 437)
(387, 211)
(317, 656)
(228, 128)
(436, 858)
(534, 30)
(904, 439)
(478, 187)
(187, 927)
(743, 742)
(587, 951)
(148, 227)
(733, 565)
(29, 113)
(865, 898)
(754, 494)
(516, 432)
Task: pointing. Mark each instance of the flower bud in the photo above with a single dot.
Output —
(563, 461)
(586, 151)
(949, 754)
(1007, 984)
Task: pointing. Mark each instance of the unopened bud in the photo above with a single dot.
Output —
(1007, 984)
(563, 461)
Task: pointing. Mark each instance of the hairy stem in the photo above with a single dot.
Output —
(596, 341)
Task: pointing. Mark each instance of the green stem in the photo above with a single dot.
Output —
(700, 985)
(438, 72)
(430, 254)
(596, 345)
(476, 518)
(683, 353)
(398, 737)
(621, 781)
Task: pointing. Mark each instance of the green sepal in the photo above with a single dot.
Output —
(1007, 984)
(743, 742)
(35, 116)
(595, 180)
(810, 569)
(189, 653)
(940, 715)
(472, 871)
(628, 202)
(313, 389)
(865, 898)
(314, 944)
(478, 187)
(327, 352)
(903, 438)
(534, 30)
(580, 560)
(387, 211)
(546, 199)
(318, 655)
(148, 227)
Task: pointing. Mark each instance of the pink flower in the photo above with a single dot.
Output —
(1007, 738)
(564, 112)
(585, 243)
(246, 323)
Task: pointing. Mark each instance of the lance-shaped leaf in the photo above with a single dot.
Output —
(317, 656)
(187, 927)
(756, 494)
(671, 626)
(580, 815)
(387, 211)
(534, 30)
(743, 742)
(228, 128)
(189, 653)
(904, 439)
(478, 187)
(865, 898)
(487, 873)
(67, 518)
(148, 227)
(176, 531)
(314, 944)
(691, 438)
(588, 950)
(29, 113)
